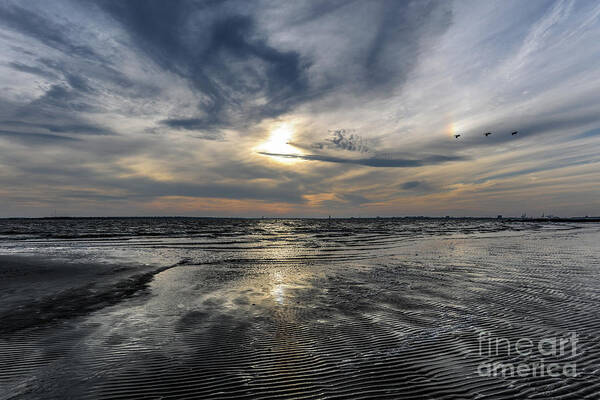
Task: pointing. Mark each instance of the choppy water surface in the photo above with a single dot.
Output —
(354, 308)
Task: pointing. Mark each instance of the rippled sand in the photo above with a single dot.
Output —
(298, 309)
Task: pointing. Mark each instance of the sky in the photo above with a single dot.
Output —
(304, 108)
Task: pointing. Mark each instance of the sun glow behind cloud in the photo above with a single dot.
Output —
(278, 143)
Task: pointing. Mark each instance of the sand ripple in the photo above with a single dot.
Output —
(333, 315)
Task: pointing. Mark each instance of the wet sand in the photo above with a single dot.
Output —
(37, 292)
(328, 316)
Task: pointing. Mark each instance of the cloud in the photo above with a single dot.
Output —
(412, 185)
(590, 133)
(206, 126)
(76, 128)
(220, 52)
(373, 161)
(35, 138)
(47, 31)
(114, 95)
(394, 48)
(351, 142)
(33, 70)
(343, 140)
(148, 188)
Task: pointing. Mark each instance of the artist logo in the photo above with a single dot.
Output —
(523, 357)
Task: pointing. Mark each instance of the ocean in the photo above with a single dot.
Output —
(105, 308)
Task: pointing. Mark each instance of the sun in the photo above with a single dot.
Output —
(278, 144)
(278, 140)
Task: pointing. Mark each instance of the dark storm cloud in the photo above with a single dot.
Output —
(373, 161)
(220, 52)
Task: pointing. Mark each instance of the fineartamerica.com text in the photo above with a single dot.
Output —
(533, 356)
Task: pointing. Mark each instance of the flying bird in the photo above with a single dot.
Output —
(487, 134)
(456, 136)
(514, 133)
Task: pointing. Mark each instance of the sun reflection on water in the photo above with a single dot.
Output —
(278, 293)
(278, 288)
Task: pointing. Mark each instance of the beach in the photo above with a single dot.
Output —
(299, 308)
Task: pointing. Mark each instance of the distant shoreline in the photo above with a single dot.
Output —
(507, 219)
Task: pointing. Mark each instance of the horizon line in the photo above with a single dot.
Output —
(498, 217)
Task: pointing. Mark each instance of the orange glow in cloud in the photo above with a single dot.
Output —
(215, 206)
